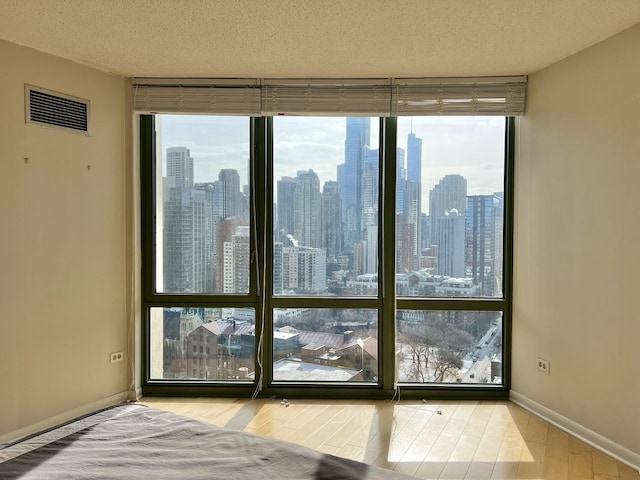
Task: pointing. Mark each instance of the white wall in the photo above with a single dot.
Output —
(64, 252)
(577, 264)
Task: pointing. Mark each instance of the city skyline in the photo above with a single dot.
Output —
(471, 146)
(206, 230)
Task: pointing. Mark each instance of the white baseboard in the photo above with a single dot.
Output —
(64, 417)
(590, 437)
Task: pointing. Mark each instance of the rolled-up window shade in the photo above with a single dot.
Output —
(218, 97)
(355, 97)
(479, 96)
(325, 97)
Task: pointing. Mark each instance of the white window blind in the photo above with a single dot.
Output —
(503, 96)
(207, 96)
(456, 96)
(371, 98)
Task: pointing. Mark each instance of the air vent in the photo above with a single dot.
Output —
(53, 109)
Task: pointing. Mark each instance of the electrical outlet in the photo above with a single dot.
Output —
(544, 365)
(116, 357)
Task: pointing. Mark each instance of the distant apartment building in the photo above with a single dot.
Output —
(483, 233)
(450, 192)
(236, 262)
(451, 244)
(304, 269)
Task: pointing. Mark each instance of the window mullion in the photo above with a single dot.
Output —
(388, 144)
(264, 179)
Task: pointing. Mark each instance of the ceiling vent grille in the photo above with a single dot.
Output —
(53, 109)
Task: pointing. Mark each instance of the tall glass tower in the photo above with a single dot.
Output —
(349, 177)
(481, 214)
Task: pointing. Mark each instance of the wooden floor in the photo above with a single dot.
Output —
(448, 440)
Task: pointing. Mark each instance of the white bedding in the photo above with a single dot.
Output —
(134, 441)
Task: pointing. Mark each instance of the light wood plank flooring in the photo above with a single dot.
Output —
(427, 439)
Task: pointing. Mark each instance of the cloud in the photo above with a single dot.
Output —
(470, 146)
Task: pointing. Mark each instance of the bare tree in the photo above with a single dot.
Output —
(445, 362)
(436, 348)
(418, 369)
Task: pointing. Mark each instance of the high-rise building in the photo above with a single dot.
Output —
(180, 167)
(228, 196)
(450, 192)
(414, 158)
(307, 206)
(358, 135)
(331, 219)
(401, 180)
(236, 262)
(370, 187)
(451, 244)
(371, 250)
(184, 238)
(481, 217)
(414, 176)
(425, 242)
(212, 216)
(225, 231)
(411, 220)
(312, 269)
(408, 205)
(277, 268)
(359, 252)
(405, 243)
(304, 269)
(284, 207)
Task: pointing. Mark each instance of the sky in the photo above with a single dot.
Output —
(470, 146)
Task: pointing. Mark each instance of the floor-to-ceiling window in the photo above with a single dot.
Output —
(450, 218)
(326, 254)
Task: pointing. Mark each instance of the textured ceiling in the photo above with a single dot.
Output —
(314, 38)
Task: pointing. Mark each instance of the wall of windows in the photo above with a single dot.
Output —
(323, 256)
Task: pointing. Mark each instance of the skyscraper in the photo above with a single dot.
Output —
(331, 219)
(212, 215)
(401, 180)
(358, 136)
(184, 240)
(225, 232)
(411, 218)
(284, 207)
(371, 250)
(229, 196)
(370, 187)
(236, 262)
(277, 268)
(184, 226)
(414, 190)
(304, 269)
(408, 205)
(425, 242)
(450, 192)
(180, 167)
(481, 217)
(307, 206)
(451, 244)
(414, 158)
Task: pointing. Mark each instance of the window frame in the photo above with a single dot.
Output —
(260, 295)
